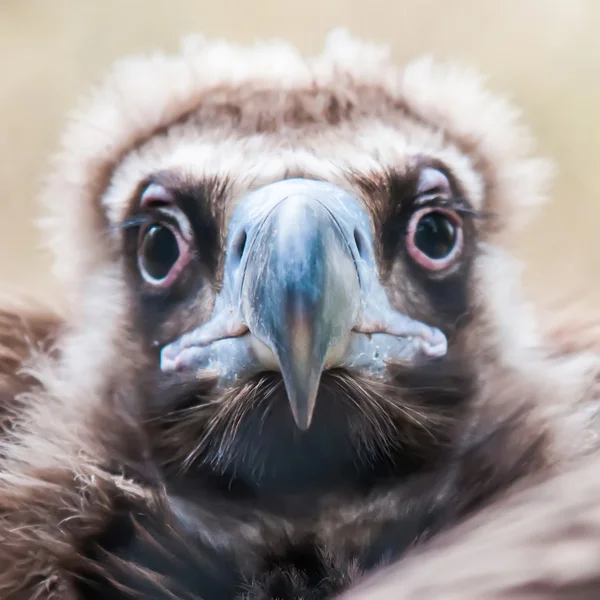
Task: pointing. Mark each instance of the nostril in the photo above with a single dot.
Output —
(239, 245)
(360, 243)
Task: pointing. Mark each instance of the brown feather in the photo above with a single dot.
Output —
(98, 449)
(24, 333)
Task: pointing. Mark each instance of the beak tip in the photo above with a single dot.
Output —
(302, 425)
(302, 417)
(302, 408)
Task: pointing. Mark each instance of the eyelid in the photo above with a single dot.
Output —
(175, 214)
(161, 200)
(452, 203)
(155, 194)
(434, 200)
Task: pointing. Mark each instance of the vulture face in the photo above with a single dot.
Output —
(296, 327)
(298, 273)
(301, 292)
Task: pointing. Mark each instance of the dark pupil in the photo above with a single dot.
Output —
(435, 235)
(159, 251)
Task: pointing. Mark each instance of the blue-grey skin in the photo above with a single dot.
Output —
(301, 294)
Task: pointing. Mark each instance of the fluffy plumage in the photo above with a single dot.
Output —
(539, 542)
(116, 478)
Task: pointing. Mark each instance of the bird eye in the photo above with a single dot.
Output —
(434, 238)
(162, 254)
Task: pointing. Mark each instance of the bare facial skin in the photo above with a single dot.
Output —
(301, 294)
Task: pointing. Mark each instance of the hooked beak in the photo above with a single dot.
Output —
(301, 294)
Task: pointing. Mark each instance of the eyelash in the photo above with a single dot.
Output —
(135, 222)
(474, 214)
(147, 219)
(457, 205)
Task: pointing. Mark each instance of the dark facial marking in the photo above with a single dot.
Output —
(357, 434)
(158, 308)
(417, 227)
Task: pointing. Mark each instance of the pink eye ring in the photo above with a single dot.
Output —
(162, 254)
(434, 238)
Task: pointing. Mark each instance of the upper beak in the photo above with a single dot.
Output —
(300, 278)
(300, 294)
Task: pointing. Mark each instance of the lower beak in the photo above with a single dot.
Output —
(300, 296)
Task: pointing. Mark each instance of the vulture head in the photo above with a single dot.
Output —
(292, 269)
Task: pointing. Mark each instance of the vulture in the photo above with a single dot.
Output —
(295, 361)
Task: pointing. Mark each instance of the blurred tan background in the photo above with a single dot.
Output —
(544, 53)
